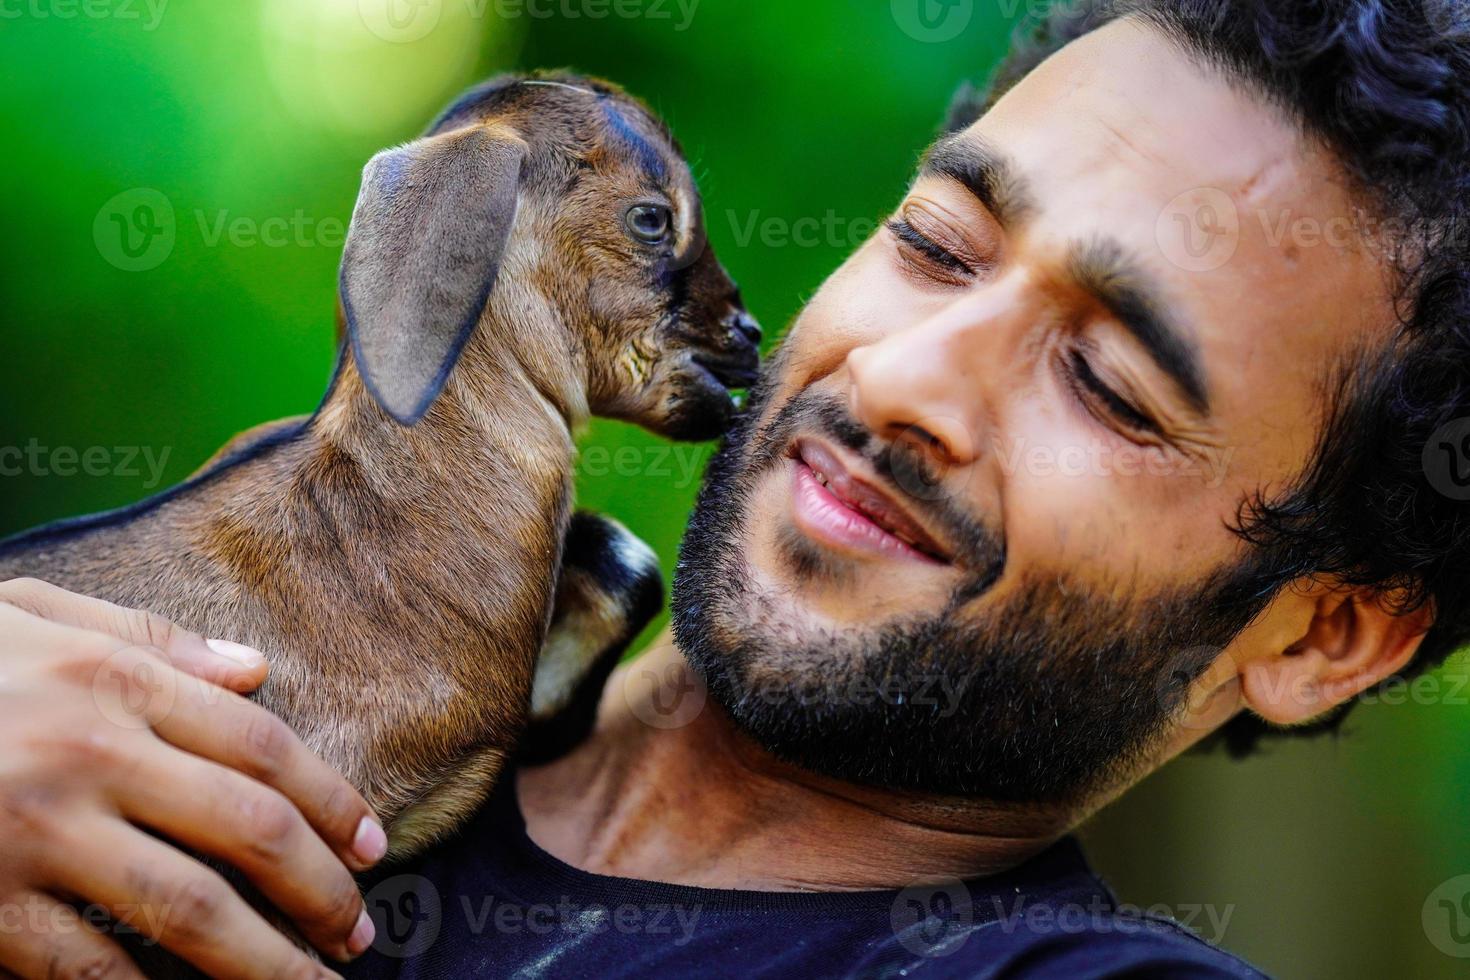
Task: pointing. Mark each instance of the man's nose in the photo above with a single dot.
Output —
(934, 382)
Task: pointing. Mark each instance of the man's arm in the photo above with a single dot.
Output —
(114, 723)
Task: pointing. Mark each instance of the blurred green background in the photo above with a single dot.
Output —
(239, 128)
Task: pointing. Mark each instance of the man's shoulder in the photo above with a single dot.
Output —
(1057, 941)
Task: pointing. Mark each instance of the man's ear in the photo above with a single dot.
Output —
(421, 258)
(1353, 641)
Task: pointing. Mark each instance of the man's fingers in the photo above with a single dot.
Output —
(247, 738)
(220, 662)
(169, 897)
(50, 939)
(135, 688)
(254, 828)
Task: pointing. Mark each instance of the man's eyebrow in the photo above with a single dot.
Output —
(982, 170)
(1104, 269)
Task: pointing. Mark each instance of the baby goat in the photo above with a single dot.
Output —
(537, 257)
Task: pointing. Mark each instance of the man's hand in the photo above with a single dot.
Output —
(115, 722)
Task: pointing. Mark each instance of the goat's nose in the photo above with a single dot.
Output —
(746, 325)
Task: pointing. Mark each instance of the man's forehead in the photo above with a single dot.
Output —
(1124, 132)
(1127, 95)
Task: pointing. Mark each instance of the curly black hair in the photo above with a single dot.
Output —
(1385, 84)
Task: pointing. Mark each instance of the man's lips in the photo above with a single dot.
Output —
(837, 507)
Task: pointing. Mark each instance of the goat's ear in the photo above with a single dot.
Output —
(421, 258)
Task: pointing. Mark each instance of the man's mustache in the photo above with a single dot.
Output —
(910, 473)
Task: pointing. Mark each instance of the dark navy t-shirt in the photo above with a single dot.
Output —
(490, 903)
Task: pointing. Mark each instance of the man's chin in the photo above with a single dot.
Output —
(1044, 698)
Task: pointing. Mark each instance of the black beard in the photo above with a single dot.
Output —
(1048, 699)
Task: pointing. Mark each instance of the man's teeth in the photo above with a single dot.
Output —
(906, 539)
(902, 537)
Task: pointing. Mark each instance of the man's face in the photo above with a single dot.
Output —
(980, 513)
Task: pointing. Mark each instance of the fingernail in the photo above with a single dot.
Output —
(362, 934)
(369, 843)
(238, 652)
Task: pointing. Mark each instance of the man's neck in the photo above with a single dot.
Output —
(699, 803)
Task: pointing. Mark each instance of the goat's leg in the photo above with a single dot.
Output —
(609, 589)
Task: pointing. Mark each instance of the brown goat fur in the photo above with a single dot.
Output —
(396, 555)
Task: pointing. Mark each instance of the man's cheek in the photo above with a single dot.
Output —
(1071, 498)
(1109, 518)
(859, 304)
(1066, 525)
(767, 516)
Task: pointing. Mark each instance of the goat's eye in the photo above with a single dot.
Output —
(649, 223)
